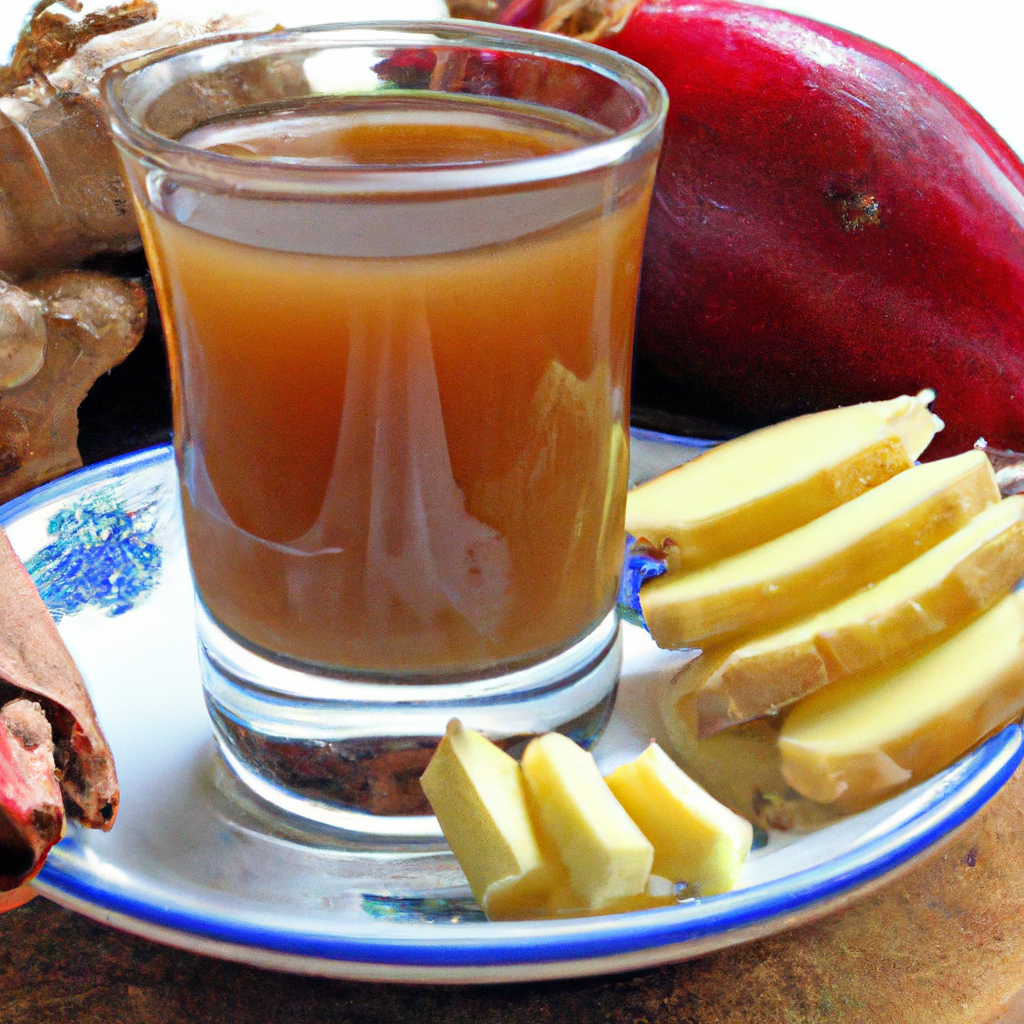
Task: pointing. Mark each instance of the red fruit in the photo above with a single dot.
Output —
(830, 225)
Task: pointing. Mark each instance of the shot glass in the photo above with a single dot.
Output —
(397, 268)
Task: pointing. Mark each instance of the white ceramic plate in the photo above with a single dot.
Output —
(196, 862)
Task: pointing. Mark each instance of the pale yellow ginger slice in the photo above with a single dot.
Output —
(476, 791)
(759, 486)
(607, 857)
(696, 839)
(932, 596)
(566, 902)
(816, 565)
(741, 767)
(858, 740)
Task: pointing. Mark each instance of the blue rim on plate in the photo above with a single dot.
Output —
(482, 951)
(975, 780)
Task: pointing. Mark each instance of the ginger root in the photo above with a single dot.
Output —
(92, 321)
(62, 190)
(582, 19)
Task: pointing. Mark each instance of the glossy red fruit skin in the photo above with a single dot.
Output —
(830, 225)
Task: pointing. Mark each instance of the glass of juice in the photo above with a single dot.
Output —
(397, 268)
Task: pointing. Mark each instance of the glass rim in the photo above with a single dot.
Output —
(276, 176)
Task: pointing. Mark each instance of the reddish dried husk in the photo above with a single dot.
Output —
(31, 808)
(830, 225)
(35, 664)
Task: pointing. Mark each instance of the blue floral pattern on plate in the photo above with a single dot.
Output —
(103, 554)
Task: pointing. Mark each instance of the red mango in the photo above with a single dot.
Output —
(831, 224)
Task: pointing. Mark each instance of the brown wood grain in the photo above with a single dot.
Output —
(942, 945)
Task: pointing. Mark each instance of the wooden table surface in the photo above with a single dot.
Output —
(942, 945)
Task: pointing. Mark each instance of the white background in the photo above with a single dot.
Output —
(974, 46)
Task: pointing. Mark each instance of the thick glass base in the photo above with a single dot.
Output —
(349, 752)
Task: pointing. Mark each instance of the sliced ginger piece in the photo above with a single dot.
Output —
(857, 741)
(741, 767)
(757, 487)
(817, 565)
(513, 867)
(565, 901)
(696, 839)
(932, 596)
(476, 791)
(606, 856)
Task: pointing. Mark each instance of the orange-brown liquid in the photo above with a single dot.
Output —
(409, 463)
